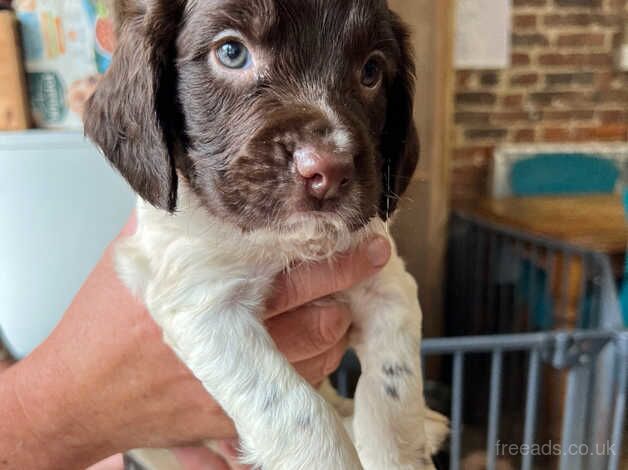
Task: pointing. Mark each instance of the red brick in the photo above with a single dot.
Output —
(617, 39)
(581, 40)
(464, 78)
(476, 154)
(549, 98)
(529, 3)
(578, 3)
(524, 79)
(465, 117)
(577, 60)
(524, 135)
(489, 133)
(529, 40)
(617, 95)
(510, 117)
(556, 134)
(512, 101)
(469, 182)
(489, 78)
(613, 116)
(568, 115)
(524, 21)
(605, 80)
(569, 78)
(520, 58)
(475, 98)
(573, 19)
(609, 132)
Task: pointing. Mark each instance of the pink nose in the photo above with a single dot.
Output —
(325, 173)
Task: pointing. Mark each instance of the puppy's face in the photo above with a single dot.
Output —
(271, 109)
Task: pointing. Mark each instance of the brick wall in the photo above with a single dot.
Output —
(563, 86)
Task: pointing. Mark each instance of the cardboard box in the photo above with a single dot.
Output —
(67, 46)
(14, 110)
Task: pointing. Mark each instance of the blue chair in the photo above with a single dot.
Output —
(546, 174)
(561, 174)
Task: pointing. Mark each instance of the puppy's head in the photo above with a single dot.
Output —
(270, 109)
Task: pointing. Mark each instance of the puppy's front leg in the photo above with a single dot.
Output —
(282, 422)
(389, 420)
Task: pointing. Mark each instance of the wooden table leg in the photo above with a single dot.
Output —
(567, 294)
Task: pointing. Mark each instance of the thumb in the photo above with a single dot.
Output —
(310, 282)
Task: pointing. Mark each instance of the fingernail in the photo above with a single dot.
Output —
(379, 252)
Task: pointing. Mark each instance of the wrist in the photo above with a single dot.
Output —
(42, 429)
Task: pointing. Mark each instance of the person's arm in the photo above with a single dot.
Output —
(105, 382)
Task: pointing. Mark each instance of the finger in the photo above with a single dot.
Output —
(317, 369)
(200, 458)
(130, 226)
(313, 281)
(309, 331)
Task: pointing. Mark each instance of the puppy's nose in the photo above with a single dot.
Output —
(324, 172)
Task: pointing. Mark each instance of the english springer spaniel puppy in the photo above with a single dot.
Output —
(259, 134)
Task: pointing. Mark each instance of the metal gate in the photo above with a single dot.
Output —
(593, 424)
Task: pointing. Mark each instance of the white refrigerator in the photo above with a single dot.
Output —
(60, 205)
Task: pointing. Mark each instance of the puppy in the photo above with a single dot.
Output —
(259, 134)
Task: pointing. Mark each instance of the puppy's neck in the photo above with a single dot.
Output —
(301, 239)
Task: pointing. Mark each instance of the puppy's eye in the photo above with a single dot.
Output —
(233, 54)
(371, 73)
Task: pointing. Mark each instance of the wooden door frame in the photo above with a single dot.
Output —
(421, 225)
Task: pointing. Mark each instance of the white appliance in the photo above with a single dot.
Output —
(60, 205)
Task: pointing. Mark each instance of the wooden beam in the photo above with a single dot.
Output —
(421, 225)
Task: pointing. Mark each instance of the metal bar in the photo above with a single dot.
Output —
(620, 403)
(531, 407)
(494, 407)
(566, 461)
(516, 342)
(456, 412)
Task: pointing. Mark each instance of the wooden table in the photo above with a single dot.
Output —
(593, 223)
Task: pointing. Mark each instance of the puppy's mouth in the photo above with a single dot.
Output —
(340, 220)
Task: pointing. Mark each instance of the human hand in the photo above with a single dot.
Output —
(109, 383)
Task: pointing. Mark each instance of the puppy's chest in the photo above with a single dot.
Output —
(186, 263)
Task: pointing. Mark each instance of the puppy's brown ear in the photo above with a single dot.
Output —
(133, 116)
(400, 142)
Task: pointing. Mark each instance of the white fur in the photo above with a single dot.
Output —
(206, 282)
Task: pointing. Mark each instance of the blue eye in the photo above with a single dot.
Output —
(233, 54)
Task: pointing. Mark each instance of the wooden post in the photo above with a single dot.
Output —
(421, 225)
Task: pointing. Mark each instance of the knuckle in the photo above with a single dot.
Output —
(332, 361)
(343, 276)
(332, 325)
(286, 295)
